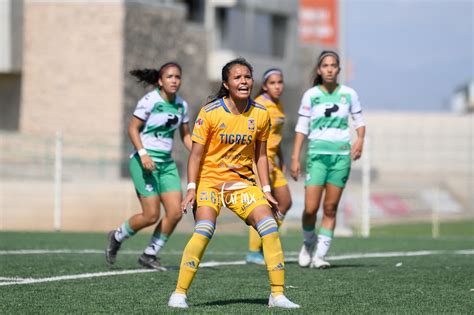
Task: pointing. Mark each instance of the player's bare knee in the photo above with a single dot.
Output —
(175, 216)
(310, 210)
(151, 218)
(330, 209)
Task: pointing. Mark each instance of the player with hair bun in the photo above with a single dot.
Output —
(154, 173)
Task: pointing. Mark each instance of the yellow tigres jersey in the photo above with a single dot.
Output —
(277, 117)
(229, 142)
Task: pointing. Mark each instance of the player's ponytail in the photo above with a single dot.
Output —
(150, 76)
(146, 76)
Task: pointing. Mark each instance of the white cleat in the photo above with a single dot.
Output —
(304, 258)
(281, 301)
(319, 263)
(178, 300)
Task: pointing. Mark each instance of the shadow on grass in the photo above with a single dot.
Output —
(234, 301)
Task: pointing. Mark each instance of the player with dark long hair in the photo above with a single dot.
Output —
(230, 135)
(323, 118)
(154, 173)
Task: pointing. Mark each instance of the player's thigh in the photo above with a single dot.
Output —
(172, 202)
(244, 202)
(339, 170)
(316, 170)
(169, 180)
(258, 214)
(146, 183)
(283, 196)
(312, 198)
(333, 195)
(208, 197)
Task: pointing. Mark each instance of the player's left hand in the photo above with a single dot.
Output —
(356, 150)
(272, 201)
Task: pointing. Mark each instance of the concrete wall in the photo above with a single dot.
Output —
(156, 34)
(72, 69)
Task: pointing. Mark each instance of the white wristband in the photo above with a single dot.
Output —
(266, 188)
(191, 186)
(142, 152)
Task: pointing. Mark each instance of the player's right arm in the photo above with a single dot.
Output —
(134, 128)
(199, 137)
(295, 169)
(301, 130)
(194, 162)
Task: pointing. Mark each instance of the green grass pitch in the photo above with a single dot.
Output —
(394, 271)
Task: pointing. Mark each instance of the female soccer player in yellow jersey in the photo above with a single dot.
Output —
(269, 97)
(324, 113)
(230, 135)
(155, 176)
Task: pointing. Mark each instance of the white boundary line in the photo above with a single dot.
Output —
(4, 281)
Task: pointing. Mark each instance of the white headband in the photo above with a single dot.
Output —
(269, 73)
(329, 53)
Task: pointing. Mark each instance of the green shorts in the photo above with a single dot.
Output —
(327, 168)
(164, 178)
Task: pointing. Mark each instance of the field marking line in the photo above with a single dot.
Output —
(98, 251)
(226, 253)
(13, 281)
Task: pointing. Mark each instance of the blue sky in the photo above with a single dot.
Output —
(409, 55)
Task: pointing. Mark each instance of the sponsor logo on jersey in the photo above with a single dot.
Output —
(251, 124)
(199, 122)
(235, 138)
(343, 99)
(222, 126)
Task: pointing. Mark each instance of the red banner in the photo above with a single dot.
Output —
(318, 22)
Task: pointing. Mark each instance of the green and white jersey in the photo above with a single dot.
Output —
(161, 120)
(327, 118)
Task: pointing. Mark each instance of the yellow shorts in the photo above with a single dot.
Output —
(241, 201)
(277, 178)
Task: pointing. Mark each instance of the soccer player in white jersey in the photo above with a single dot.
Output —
(154, 173)
(323, 118)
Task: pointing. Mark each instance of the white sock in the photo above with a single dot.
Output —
(124, 232)
(156, 244)
(324, 242)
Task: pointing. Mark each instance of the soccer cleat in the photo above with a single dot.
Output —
(319, 262)
(151, 262)
(255, 258)
(281, 301)
(112, 248)
(304, 258)
(178, 300)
